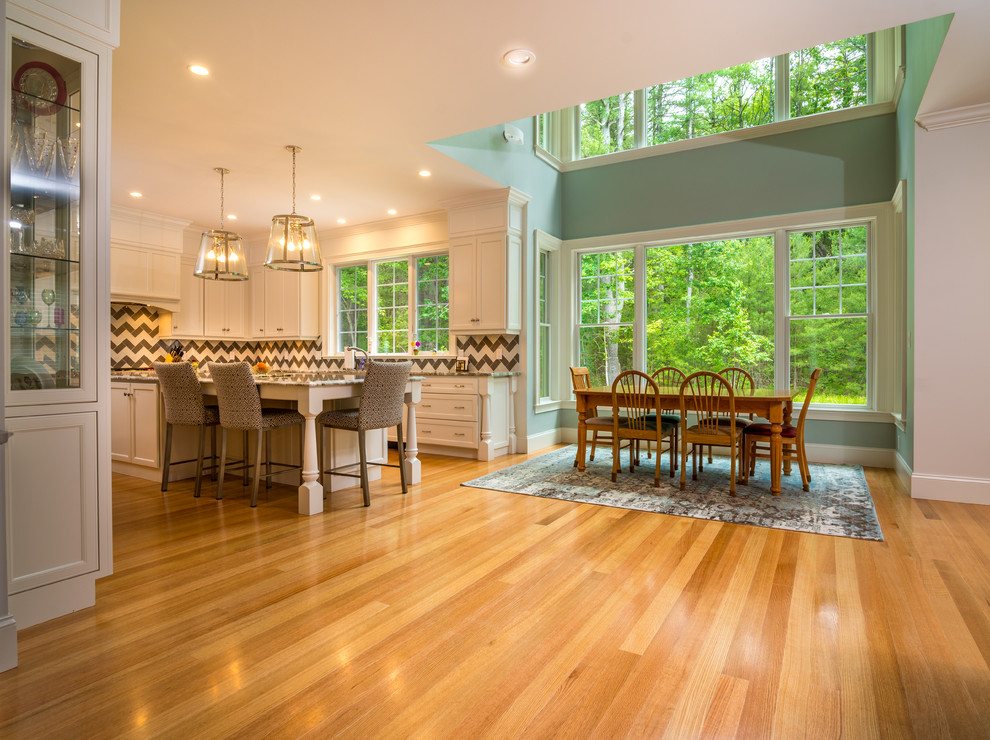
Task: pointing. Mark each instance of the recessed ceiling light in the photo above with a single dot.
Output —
(314, 197)
(425, 173)
(341, 220)
(198, 69)
(518, 58)
(392, 211)
(136, 194)
(231, 216)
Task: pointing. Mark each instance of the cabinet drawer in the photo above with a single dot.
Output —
(450, 385)
(449, 433)
(452, 407)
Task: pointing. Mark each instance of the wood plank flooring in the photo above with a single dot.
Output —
(461, 613)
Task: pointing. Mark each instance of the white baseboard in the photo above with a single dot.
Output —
(871, 457)
(951, 488)
(8, 643)
(40, 604)
(904, 472)
(874, 457)
(537, 442)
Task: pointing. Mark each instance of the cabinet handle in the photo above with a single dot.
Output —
(425, 406)
(459, 385)
(425, 431)
(458, 407)
(458, 434)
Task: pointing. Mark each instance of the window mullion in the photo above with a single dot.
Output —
(639, 308)
(372, 307)
(639, 122)
(782, 87)
(412, 281)
(781, 303)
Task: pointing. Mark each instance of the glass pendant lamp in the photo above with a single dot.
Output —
(293, 244)
(221, 253)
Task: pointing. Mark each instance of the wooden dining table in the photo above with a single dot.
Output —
(774, 405)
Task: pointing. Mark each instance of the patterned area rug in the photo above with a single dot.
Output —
(838, 503)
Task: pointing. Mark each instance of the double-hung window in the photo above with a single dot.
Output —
(386, 306)
(777, 303)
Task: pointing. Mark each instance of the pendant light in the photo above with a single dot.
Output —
(221, 253)
(293, 244)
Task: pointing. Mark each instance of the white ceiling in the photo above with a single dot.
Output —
(363, 86)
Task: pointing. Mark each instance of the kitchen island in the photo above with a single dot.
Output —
(309, 391)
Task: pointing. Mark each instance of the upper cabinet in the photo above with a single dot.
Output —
(145, 256)
(486, 262)
(223, 309)
(284, 304)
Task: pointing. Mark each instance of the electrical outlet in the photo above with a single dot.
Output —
(498, 353)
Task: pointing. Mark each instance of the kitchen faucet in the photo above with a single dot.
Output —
(367, 355)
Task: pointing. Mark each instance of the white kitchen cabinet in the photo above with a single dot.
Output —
(140, 275)
(486, 263)
(223, 309)
(134, 423)
(58, 534)
(465, 416)
(284, 304)
(187, 321)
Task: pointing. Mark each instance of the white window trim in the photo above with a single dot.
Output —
(885, 75)
(884, 376)
(330, 318)
(559, 388)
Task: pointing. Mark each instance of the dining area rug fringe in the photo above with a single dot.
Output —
(838, 504)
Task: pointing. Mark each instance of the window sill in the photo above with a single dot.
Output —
(544, 407)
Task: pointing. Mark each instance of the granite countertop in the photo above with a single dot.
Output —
(323, 377)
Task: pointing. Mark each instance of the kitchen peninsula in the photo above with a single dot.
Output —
(457, 418)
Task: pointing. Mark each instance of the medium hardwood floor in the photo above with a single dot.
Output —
(461, 613)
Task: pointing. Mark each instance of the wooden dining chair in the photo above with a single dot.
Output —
(710, 397)
(635, 399)
(742, 385)
(670, 377)
(599, 425)
(756, 439)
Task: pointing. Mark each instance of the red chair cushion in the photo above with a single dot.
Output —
(764, 430)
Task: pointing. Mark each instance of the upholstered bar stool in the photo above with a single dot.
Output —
(184, 406)
(241, 410)
(380, 407)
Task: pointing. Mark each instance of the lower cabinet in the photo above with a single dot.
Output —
(465, 416)
(56, 532)
(134, 423)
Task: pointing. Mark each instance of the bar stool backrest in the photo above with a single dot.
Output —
(237, 395)
(383, 397)
(181, 393)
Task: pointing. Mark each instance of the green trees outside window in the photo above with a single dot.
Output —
(828, 77)
(715, 304)
(375, 303)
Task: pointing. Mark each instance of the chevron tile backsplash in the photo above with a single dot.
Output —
(135, 342)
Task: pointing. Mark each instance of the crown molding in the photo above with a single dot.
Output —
(953, 117)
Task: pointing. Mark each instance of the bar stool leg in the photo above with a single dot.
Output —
(199, 460)
(247, 459)
(362, 448)
(402, 460)
(257, 467)
(223, 462)
(268, 459)
(168, 456)
(213, 453)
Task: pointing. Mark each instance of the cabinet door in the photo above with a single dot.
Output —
(144, 412)
(120, 421)
(163, 275)
(214, 309)
(290, 282)
(275, 289)
(491, 289)
(188, 320)
(128, 271)
(53, 528)
(463, 289)
(236, 293)
(257, 310)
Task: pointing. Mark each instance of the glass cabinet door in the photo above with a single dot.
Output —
(44, 234)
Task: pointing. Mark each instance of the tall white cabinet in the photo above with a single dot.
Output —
(55, 325)
(486, 262)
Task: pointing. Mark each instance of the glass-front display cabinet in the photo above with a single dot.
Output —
(46, 255)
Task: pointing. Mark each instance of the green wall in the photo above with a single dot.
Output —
(923, 44)
(512, 165)
(828, 166)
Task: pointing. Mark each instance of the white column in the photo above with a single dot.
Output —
(310, 492)
(413, 472)
(512, 415)
(486, 451)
